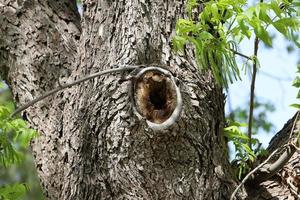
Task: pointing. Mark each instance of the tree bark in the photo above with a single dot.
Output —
(91, 144)
(284, 184)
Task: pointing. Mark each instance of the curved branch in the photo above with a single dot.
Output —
(264, 171)
(61, 87)
(240, 54)
(248, 176)
(289, 149)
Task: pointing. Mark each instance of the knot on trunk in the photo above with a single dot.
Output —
(157, 98)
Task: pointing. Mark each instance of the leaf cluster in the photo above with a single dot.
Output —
(12, 192)
(296, 84)
(244, 154)
(223, 24)
(15, 136)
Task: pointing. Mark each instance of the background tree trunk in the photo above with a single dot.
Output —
(91, 145)
(285, 183)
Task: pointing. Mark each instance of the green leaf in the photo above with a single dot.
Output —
(178, 43)
(243, 27)
(295, 105)
(262, 34)
(184, 26)
(274, 5)
(290, 22)
(263, 13)
(250, 12)
(215, 11)
(280, 27)
(286, 25)
(12, 192)
(296, 82)
(190, 5)
(204, 35)
(4, 112)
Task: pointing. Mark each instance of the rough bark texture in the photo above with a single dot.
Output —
(285, 184)
(37, 51)
(91, 145)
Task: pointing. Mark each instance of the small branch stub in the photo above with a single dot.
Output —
(156, 97)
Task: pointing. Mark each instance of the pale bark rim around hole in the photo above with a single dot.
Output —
(175, 110)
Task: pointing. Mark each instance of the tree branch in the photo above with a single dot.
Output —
(240, 54)
(91, 76)
(254, 68)
(250, 173)
(265, 171)
(289, 149)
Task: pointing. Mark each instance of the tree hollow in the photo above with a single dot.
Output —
(155, 96)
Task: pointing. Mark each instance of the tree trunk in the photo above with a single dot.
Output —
(285, 184)
(91, 143)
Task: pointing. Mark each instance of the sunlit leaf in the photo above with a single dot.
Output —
(295, 105)
(12, 192)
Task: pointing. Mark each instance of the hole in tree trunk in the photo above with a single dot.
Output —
(155, 96)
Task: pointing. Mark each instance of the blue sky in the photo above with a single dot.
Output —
(274, 83)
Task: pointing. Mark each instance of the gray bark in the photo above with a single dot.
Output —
(283, 185)
(38, 50)
(91, 145)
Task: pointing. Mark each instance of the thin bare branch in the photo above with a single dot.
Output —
(250, 173)
(240, 54)
(261, 172)
(254, 69)
(68, 85)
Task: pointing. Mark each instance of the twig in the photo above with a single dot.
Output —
(61, 87)
(254, 68)
(240, 54)
(297, 148)
(250, 173)
(230, 25)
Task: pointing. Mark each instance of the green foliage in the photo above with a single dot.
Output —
(223, 24)
(15, 136)
(296, 84)
(260, 120)
(23, 173)
(12, 192)
(244, 154)
(215, 34)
